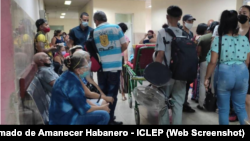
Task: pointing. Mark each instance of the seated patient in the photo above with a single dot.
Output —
(69, 105)
(92, 96)
(45, 73)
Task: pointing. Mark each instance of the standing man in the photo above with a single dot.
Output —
(79, 34)
(188, 21)
(41, 43)
(176, 88)
(110, 43)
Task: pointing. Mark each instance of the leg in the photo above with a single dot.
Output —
(102, 81)
(239, 92)
(248, 106)
(186, 107)
(202, 90)
(178, 98)
(113, 86)
(224, 83)
(98, 117)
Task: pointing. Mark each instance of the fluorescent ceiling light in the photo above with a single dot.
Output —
(67, 2)
(61, 17)
(63, 14)
(150, 6)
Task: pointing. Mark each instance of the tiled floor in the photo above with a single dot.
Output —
(126, 114)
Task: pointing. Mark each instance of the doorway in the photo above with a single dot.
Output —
(128, 20)
(52, 29)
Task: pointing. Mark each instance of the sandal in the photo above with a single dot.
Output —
(124, 98)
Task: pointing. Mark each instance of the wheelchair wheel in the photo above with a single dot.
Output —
(130, 101)
(137, 116)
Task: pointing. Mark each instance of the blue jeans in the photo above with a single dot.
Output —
(109, 83)
(98, 117)
(232, 82)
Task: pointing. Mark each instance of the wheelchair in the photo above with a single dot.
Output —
(134, 71)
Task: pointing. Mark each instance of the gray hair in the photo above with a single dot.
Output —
(100, 16)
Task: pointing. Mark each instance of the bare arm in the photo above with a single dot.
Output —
(40, 46)
(58, 59)
(141, 42)
(53, 41)
(91, 81)
(248, 59)
(211, 65)
(71, 43)
(103, 107)
(154, 39)
(160, 56)
(124, 46)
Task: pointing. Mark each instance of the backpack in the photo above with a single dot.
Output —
(90, 46)
(184, 60)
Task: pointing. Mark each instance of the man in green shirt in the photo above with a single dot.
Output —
(204, 44)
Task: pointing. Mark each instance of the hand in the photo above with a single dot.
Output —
(125, 62)
(206, 83)
(53, 48)
(110, 99)
(106, 107)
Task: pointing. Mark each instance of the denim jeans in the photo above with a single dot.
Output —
(109, 83)
(98, 117)
(232, 82)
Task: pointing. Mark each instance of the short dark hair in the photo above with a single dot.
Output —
(201, 29)
(123, 26)
(228, 22)
(100, 16)
(40, 22)
(84, 14)
(174, 11)
(57, 32)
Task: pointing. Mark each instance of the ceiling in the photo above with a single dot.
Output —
(54, 8)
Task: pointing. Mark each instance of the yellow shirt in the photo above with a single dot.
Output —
(42, 38)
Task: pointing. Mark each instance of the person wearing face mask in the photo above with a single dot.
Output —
(45, 73)
(57, 39)
(151, 38)
(244, 20)
(58, 59)
(69, 105)
(188, 21)
(41, 43)
(91, 91)
(80, 34)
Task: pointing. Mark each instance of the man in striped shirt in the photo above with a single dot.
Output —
(110, 43)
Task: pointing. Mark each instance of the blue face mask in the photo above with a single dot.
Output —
(85, 24)
(85, 74)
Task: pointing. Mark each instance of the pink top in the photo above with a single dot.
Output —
(127, 39)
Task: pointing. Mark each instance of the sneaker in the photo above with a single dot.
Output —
(116, 123)
(200, 107)
(188, 109)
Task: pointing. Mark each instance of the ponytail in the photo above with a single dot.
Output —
(228, 22)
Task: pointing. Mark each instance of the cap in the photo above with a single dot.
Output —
(188, 17)
(40, 22)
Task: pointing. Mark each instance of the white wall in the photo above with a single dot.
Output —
(31, 7)
(202, 10)
(137, 8)
(89, 9)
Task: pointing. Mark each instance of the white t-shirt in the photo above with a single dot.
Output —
(160, 46)
(215, 33)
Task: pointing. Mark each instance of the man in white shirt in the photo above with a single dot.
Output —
(175, 88)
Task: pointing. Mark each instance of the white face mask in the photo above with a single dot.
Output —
(188, 25)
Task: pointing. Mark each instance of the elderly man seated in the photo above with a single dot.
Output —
(46, 73)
